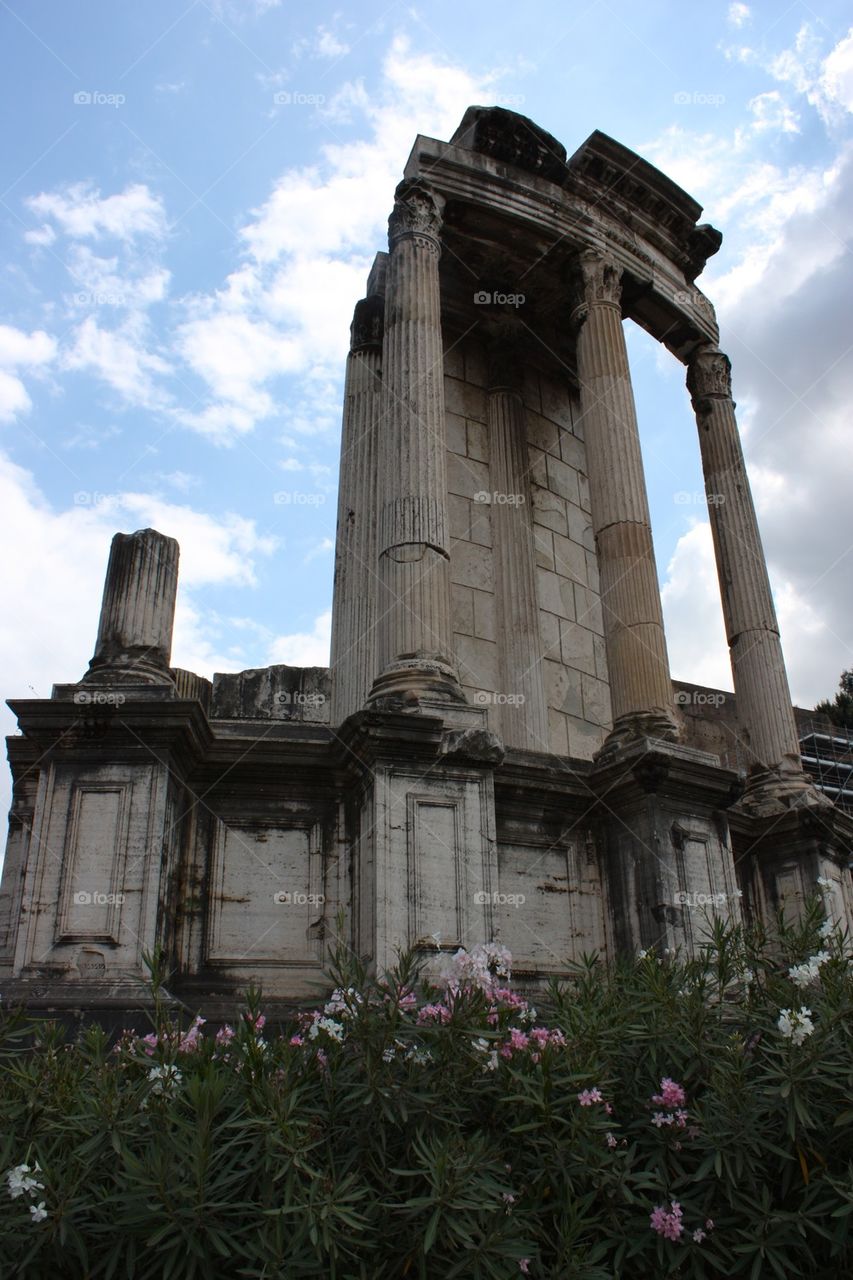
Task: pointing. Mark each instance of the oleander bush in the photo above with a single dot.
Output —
(658, 1117)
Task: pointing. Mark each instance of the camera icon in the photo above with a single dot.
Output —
(483, 497)
(482, 298)
(82, 899)
(82, 697)
(681, 99)
(481, 898)
(83, 98)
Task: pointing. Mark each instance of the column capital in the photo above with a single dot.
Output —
(595, 281)
(417, 211)
(709, 376)
(367, 324)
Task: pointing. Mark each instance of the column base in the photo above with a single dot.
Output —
(404, 685)
(773, 792)
(658, 726)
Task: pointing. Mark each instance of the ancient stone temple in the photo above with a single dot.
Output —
(497, 750)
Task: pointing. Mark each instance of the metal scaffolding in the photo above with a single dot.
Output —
(828, 761)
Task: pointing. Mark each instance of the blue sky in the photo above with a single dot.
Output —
(192, 195)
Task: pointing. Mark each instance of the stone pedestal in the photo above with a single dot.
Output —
(353, 658)
(414, 620)
(137, 612)
(523, 716)
(640, 682)
(422, 831)
(667, 854)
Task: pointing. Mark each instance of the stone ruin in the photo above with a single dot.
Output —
(496, 751)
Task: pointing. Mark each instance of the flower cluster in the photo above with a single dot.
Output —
(22, 1181)
(796, 1024)
(672, 1098)
(172, 1038)
(667, 1222)
(809, 971)
(480, 968)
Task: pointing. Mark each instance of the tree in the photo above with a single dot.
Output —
(840, 711)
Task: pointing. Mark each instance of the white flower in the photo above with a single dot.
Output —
(491, 1063)
(809, 971)
(20, 1183)
(418, 1056)
(38, 1212)
(642, 953)
(827, 929)
(824, 883)
(796, 1024)
(331, 1028)
(164, 1080)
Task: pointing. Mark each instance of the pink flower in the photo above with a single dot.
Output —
(589, 1096)
(698, 1235)
(681, 1118)
(611, 1141)
(518, 1039)
(150, 1041)
(225, 1034)
(667, 1224)
(660, 1118)
(608, 1108)
(540, 1035)
(434, 1013)
(258, 1020)
(557, 1037)
(524, 1266)
(297, 1040)
(671, 1094)
(709, 1224)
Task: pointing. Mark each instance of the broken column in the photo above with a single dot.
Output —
(134, 641)
(414, 618)
(640, 682)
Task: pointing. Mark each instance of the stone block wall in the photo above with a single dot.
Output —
(554, 511)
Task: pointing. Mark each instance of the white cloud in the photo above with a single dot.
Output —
(305, 649)
(82, 213)
(57, 571)
(693, 617)
(120, 358)
(308, 248)
(328, 45)
(41, 236)
(19, 349)
(771, 112)
(738, 14)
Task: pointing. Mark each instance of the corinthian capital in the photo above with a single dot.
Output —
(595, 280)
(417, 211)
(709, 375)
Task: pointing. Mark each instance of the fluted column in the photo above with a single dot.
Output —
(134, 641)
(640, 682)
(414, 619)
(758, 667)
(353, 660)
(524, 721)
